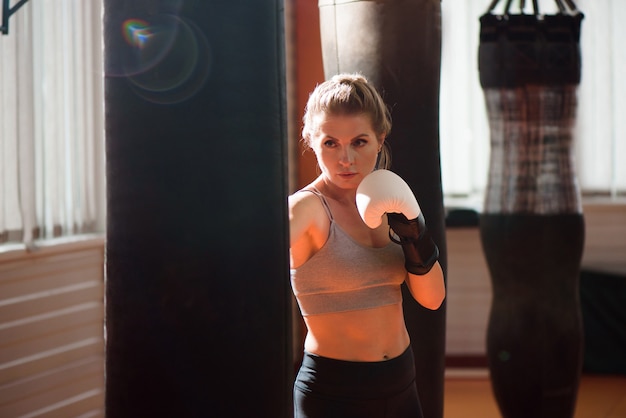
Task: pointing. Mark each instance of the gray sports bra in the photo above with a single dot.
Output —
(347, 276)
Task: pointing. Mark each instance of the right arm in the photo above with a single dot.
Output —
(307, 221)
(299, 217)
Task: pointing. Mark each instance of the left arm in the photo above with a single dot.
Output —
(383, 191)
(428, 289)
(421, 254)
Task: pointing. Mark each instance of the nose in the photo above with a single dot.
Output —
(347, 157)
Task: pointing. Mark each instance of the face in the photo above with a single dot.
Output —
(346, 148)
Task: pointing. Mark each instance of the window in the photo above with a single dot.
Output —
(51, 122)
(600, 134)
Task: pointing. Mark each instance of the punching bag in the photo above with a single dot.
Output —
(198, 304)
(396, 44)
(532, 226)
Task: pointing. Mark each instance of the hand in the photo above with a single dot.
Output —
(383, 191)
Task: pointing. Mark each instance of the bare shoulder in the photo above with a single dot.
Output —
(307, 218)
(304, 206)
(302, 199)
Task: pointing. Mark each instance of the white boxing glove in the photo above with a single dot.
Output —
(383, 191)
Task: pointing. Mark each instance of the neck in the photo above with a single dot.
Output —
(330, 190)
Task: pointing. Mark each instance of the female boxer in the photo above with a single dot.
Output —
(346, 271)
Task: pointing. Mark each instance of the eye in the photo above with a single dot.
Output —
(360, 142)
(329, 143)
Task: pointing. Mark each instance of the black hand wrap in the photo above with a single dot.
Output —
(420, 251)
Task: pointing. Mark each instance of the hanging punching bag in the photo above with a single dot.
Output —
(197, 288)
(532, 226)
(396, 44)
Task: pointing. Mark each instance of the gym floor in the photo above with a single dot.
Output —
(468, 394)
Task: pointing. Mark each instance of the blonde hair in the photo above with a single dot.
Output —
(348, 94)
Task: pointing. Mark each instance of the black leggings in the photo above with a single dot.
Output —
(328, 388)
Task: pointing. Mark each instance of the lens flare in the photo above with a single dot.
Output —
(136, 32)
(504, 355)
(166, 58)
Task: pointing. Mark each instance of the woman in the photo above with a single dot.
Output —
(347, 275)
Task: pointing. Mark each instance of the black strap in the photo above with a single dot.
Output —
(565, 6)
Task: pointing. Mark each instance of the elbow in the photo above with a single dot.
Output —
(429, 290)
(434, 302)
(429, 298)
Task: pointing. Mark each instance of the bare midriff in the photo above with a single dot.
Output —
(375, 334)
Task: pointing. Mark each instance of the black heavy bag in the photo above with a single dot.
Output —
(396, 44)
(532, 226)
(197, 286)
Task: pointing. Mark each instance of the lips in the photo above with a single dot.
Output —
(347, 175)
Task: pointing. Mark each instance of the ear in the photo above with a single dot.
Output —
(381, 140)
